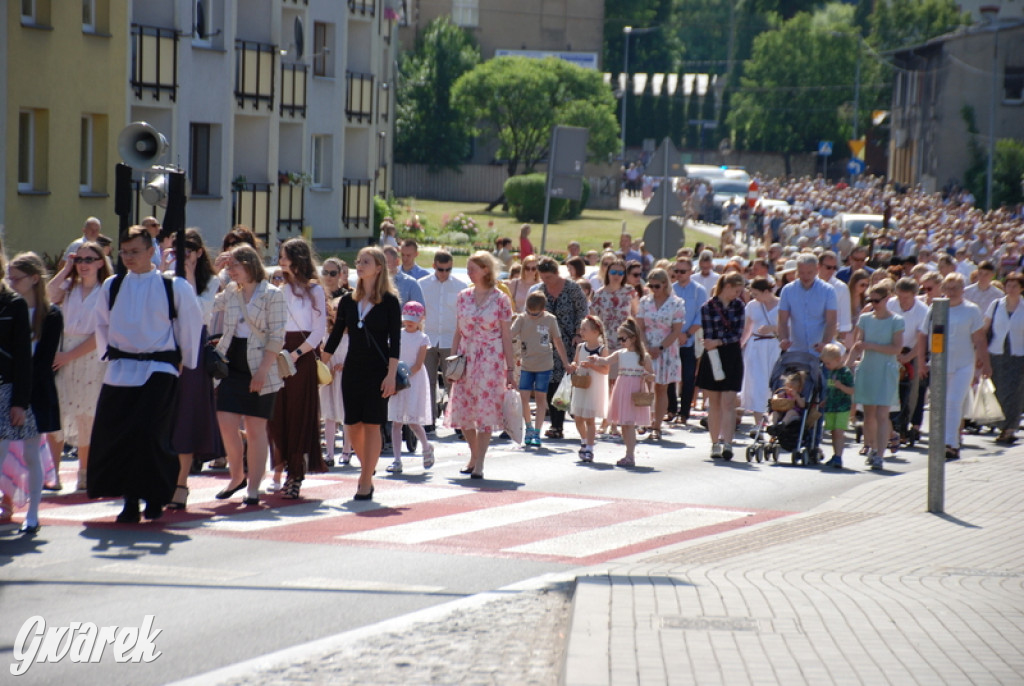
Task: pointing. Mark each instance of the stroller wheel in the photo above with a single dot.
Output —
(751, 450)
(775, 453)
(800, 456)
(858, 433)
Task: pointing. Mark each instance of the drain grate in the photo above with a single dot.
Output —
(771, 625)
(765, 537)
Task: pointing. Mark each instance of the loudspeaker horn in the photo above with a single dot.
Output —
(155, 192)
(141, 146)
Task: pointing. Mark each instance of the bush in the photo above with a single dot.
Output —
(525, 196)
(576, 207)
(462, 223)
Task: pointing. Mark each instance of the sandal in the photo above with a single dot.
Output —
(655, 434)
(894, 444)
(626, 462)
(952, 453)
(290, 491)
(176, 502)
(553, 433)
(428, 456)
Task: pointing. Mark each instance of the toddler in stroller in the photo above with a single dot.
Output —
(797, 384)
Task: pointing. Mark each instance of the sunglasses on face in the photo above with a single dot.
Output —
(654, 286)
(277, 277)
(331, 273)
(85, 260)
(529, 269)
(830, 267)
(442, 269)
(616, 272)
(680, 271)
(623, 339)
(875, 301)
(635, 275)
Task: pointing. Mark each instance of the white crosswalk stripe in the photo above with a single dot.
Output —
(474, 521)
(623, 534)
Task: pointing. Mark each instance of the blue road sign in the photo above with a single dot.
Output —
(825, 148)
(855, 166)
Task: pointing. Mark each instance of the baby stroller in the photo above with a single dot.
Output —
(801, 438)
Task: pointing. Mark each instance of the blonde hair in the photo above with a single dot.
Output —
(382, 284)
(633, 331)
(485, 260)
(31, 264)
(831, 352)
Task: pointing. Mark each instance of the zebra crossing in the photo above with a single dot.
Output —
(433, 517)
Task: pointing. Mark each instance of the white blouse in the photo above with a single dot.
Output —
(303, 316)
(80, 313)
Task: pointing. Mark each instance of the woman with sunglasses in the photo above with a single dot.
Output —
(660, 322)
(878, 340)
(335, 277)
(332, 409)
(528, 279)
(76, 290)
(196, 433)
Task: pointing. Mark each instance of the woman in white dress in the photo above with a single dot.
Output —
(76, 289)
(760, 347)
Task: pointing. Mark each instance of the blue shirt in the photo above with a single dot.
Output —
(694, 295)
(845, 273)
(417, 272)
(408, 287)
(807, 308)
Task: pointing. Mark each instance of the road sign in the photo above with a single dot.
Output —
(855, 166)
(666, 152)
(671, 206)
(570, 150)
(664, 232)
(567, 187)
(825, 148)
(753, 193)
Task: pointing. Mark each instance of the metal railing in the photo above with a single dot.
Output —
(358, 96)
(293, 89)
(254, 73)
(250, 205)
(154, 61)
(291, 206)
(363, 7)
(357, 203)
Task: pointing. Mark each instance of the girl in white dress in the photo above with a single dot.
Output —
(76, 290)
(760, 348)
(412, 406)
(592, 402)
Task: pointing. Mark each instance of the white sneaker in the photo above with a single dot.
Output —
(428, 456)
(716, 451)
(395, 467)
(273, 487)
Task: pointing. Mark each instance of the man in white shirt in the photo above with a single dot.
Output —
(983, 293)
(914, 313)
(440, 291)
(152, 326)
(828, 264)
(706, 275)
(90, 232)
(964, 266)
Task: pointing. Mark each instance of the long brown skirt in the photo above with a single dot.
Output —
(295, 427)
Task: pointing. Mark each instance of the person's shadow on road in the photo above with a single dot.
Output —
(131, 541)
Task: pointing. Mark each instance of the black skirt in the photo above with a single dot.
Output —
(131, 453)
(196, 430)
(732, 364)
(233, 394)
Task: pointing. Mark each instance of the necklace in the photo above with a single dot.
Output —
(363, 308)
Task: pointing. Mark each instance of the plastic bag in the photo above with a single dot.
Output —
(563, 396)
(512, 414)
(985, 408)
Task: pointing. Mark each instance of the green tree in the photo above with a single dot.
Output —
(518, 100)
(428, 130)
(795, 89)
(896, 23)
(650, 53)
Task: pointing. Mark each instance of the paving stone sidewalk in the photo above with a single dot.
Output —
(866, 589)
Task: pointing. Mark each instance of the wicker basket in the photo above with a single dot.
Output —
(782, 404)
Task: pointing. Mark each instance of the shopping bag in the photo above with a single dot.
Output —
(512, 414)
(563, 396)
(985, 408)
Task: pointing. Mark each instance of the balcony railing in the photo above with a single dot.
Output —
(154, 61)
(250, 205)
(290, 207)
(364, 7)
(254, 73)
(357, 203)
(359, 96)
(293, 89)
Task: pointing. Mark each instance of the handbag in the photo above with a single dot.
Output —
(454, 367)
(643, 398)
(401, 374)
(285, 365)
(214, 362)
(580, 380)
(324, 374)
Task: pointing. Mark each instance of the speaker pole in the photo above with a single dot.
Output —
(174, 218)
(122, 206)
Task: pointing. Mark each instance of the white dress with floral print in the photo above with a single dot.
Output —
(476, 398)
(668, 367)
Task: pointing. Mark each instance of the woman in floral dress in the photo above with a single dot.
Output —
(484, 316)
(660, 322)
(565, 300)
(615, 301)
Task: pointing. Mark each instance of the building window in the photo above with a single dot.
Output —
(466, 13)
(321, 162)
(1013, 83)
(26, 150)
(28, 11)
(199, 158)
(85, 155)
(323, 49)
(89, 16)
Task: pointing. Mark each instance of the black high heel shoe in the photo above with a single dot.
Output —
(364, 496)
(467, 470)
(177, 504)
(130, 513)
(228, 492)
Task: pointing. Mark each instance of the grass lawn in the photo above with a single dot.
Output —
(592, 229)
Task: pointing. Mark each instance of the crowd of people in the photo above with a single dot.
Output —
(253, 363)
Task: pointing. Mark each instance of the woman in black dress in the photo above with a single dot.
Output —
(723, 317)
(28, 276)
(372, 316)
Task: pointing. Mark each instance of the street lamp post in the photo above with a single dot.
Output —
(627, 32)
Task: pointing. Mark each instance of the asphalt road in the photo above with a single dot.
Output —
(225, 584)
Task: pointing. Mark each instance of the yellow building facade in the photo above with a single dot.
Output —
(65, 66)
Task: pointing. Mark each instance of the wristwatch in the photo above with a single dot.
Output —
(661, 348)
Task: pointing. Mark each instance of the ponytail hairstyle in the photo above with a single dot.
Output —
(630, 328)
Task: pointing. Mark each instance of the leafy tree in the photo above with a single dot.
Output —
(1007, 166)
(895, 23)
(428, 130)
(795, 86)
(654, 52)
(518, 100)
